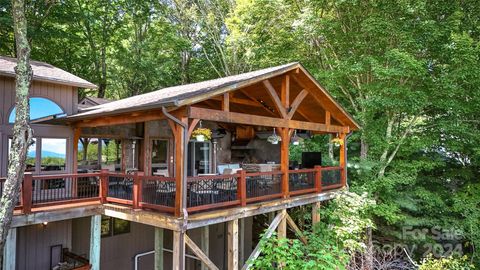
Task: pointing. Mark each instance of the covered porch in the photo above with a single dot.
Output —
(148, 159)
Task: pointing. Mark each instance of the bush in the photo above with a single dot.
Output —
(449, 263)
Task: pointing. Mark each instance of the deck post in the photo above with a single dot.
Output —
(241, 255)
(95, 241)
(205, 245)
(316, 212)
(232, 234)
(285, 143)
(10, 250)
(178, 260)
(137, 189)
(27, 193)
(103, 192)
(282, 227)
(343, 161)
(180, 160)
(242, 187)
(76, 138)
(158, 248)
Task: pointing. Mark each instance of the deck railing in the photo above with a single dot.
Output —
(158, 193)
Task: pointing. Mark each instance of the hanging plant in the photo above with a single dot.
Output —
(202, 134)
(337, 141)
(274, 138)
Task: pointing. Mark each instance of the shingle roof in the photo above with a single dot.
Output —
(183, 94)
(44, 72)
(88, 102)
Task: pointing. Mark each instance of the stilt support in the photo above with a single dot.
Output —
(233, 244)
(178, 262)
(158, 249)
(282, 227)
(10, 250)
(316, 212)
(95, 241)
(205, 244)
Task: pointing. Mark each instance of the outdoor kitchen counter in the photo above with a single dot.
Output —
(263, 167)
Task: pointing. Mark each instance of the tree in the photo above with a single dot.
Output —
(22, 133)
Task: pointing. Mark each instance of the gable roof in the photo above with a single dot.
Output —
(44, 72)
(88, 102)
(189, 94)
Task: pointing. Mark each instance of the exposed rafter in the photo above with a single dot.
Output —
(276, 100)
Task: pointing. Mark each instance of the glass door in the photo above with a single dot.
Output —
(199, 158)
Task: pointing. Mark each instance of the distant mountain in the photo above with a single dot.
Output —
(46, 154)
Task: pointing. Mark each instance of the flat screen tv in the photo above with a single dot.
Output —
(311, 159)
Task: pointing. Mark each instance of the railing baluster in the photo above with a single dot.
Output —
(242, 187)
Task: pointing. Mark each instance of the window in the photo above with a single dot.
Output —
(159, 154)
(113, 226)
(39, 108)
(31, 155)
(49, 153)
(53, 155)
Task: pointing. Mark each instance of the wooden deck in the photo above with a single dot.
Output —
(151, 199)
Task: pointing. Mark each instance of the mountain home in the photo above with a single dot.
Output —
(129, 184)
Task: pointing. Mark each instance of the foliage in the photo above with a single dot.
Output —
(331, 243)
(449, 263)
(206, 132)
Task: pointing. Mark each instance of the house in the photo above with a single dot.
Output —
(143, 188)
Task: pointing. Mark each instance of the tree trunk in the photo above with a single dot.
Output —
(369, 251)
(22, 134)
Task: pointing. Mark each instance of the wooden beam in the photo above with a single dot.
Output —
(10, 250)
(279, 105)
(258, 102)
(121, 119)
(205, 243)
(223, 215)
(295, 228)
(191, 126)
(226, 102)
(95, 241)
(268, 233)
(255, 120)
(198, 251)
(232, 260)
(76, 138)
(178, 258)
(296, 103)
(316, 212)
(158, 264)
(285, 91)
(282, 226)
(328, 118)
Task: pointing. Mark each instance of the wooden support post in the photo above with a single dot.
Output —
(10, 250)
(226, 102)
(282, 227)
(295, 228)
(343, 161)
(137, 189)
(316, 212)
(103, 193)
(158, 248)
(205, 244)
(242, 187)
(241, 252)
(285, 92)
(27, 193)
(95, 241)
(232, 244)
(178, 260)
(284, 160)
(180, 191)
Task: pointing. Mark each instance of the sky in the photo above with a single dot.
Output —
(39, 107)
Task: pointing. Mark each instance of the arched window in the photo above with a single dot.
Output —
(39, 108)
